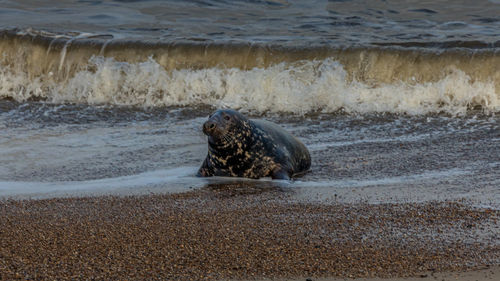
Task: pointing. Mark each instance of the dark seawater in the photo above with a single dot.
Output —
(396, 100)
(441, 23)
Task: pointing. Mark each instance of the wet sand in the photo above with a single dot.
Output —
(231, 233)
(486, 274)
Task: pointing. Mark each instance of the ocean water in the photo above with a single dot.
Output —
(396, 100)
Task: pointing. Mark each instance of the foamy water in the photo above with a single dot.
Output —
(299, 88)
(177, 179)
(68, 150)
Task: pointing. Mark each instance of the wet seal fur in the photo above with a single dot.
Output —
(241, 147)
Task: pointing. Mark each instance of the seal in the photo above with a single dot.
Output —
(242, 147)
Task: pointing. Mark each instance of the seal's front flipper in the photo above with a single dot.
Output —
(280, 174)
(205, 170)
(202, 172)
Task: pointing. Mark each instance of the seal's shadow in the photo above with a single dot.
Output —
(245, 187)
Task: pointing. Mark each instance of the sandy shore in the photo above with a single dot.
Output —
(227, 234)
(486, 274)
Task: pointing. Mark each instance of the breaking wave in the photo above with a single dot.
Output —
(266, 80)
(301, 87)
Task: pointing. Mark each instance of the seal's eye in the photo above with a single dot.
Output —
(227, 117)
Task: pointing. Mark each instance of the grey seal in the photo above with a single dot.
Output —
(243, 147)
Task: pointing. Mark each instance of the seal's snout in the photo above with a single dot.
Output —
(209, 127)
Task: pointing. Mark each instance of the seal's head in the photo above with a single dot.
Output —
(224, 126)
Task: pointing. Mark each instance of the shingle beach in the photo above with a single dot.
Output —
(220, 234)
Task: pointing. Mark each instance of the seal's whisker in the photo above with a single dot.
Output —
(229, 138)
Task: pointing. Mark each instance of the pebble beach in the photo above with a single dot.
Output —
(233, 233)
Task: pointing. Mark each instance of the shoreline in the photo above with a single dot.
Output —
(220, 234)
(491, 273)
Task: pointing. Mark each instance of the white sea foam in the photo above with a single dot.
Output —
(298, 88)
(172, 180)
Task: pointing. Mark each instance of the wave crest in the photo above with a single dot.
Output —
(300, 87)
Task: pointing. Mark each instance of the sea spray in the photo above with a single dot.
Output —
(299, 88)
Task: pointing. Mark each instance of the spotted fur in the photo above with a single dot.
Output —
(240, 147)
